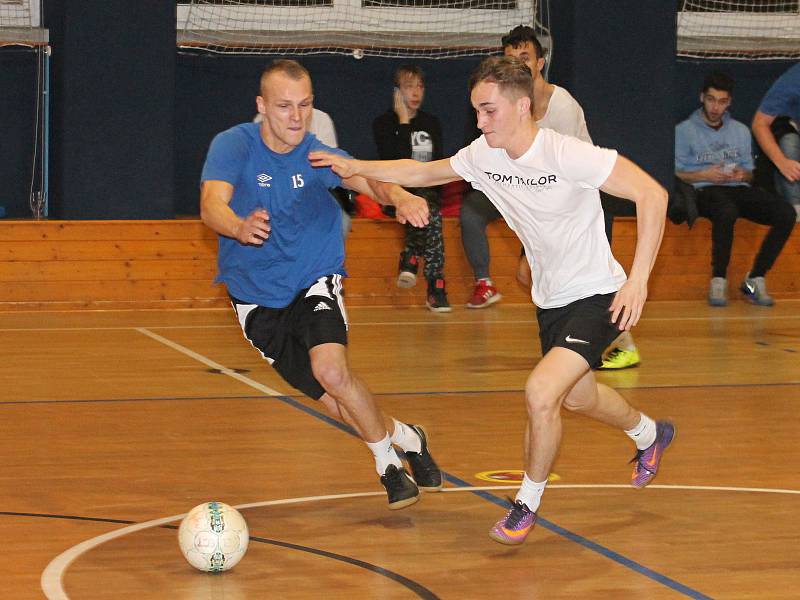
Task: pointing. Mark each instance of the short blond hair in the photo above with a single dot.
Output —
(291, 68)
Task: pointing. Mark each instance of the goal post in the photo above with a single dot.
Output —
(20, 27)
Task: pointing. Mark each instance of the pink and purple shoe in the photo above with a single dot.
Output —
(515, 526)
(646, 461)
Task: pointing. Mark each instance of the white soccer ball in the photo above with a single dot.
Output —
(213, 537)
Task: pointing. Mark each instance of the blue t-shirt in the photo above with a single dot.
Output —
(699, 146)
(783, 98)
(306, 240)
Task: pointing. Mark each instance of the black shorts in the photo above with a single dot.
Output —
(285, 335)
(583, 326)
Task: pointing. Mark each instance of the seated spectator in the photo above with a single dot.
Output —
(406, 131)
(713, 152)
(782, 99)
(321, 125)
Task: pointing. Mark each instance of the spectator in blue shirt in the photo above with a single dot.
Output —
(713, 152)
(782, 99)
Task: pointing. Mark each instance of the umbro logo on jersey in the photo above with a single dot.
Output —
(263, 180)
(322, 306)
(571, 340)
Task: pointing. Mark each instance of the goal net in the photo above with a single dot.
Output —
(389, 28)
(739, 29)
(19, 23)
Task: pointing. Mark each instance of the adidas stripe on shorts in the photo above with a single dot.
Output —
(284, 336)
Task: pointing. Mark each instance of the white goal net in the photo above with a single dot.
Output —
(390, 28)
(20, 23)
(739, 29)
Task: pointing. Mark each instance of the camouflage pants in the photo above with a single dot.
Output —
(427, 242)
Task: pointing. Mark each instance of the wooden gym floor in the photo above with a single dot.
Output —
(115, 423)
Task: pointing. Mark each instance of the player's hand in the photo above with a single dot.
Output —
(717, 174)
(626, 309)
(412, 209)
(342, 166)
(254, 229)
(400, 108)
(790, 169)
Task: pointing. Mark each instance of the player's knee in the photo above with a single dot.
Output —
(333, 376)
(540, 397)
(574, 403)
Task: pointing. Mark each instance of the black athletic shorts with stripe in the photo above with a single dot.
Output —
(583, 326)
(284, 336)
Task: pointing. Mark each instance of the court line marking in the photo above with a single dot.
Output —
(53, 574)
(569, 535)
(580, 540)
(401, 323)
(210, 363)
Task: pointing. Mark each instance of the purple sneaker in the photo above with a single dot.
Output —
(647, 460)
(515, 526)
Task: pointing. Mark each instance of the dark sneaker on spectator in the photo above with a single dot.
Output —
(755, 290)
(408, 270)
(437, 296)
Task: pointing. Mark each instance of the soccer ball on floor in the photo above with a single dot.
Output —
(213, 537)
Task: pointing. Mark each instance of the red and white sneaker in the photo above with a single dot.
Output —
(483, 295)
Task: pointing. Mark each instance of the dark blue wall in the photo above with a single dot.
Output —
(17, 122)
(113, 75)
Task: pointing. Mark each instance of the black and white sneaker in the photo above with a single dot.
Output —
(424, 469)
(408, 270)
(437, 296)
(400, 488)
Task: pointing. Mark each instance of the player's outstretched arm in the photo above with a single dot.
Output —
(409, 208)
(406, 172)
(629, 181)
(215, 198)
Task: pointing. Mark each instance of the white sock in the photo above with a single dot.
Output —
(405, 437)
(384, 454)
(530, 493)
(488, 280)
(644, 434)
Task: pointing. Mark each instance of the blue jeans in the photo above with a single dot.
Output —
(789, 190)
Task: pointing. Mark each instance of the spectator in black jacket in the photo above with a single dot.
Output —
(406, 131)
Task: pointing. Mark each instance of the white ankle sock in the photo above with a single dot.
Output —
(644, 434)
(530, 493)
(384, 454)
(488, 280)
(405, 437)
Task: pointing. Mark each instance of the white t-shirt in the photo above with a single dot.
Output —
(565, 115)
(549, 197)
(321, 126)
